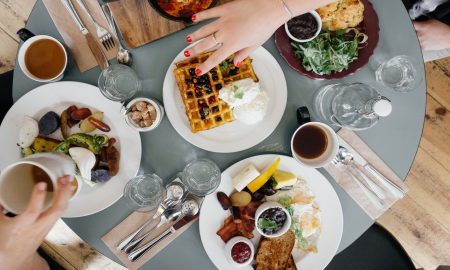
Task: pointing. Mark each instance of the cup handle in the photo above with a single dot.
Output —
(303, 115)
(24, 34)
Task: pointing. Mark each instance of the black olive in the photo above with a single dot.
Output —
(267, 189)
(257, 196)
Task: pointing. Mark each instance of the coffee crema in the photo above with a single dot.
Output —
(45, 59)
(310, 142)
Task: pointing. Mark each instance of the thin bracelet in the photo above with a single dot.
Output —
(288, 10)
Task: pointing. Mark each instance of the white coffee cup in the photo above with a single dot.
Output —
(328, 154)
(21, 58)
(17, 183)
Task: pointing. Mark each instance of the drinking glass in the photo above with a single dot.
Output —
(145, 192)
(119, 82)
(201, 177)
(398, 73)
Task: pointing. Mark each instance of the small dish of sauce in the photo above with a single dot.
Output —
(305, 27)
(239, 251)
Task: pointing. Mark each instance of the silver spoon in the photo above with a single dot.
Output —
(123, 55)
(345, 157)
(169, 215)
(190, 208)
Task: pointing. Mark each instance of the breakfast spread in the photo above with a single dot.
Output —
(95, 156)
(200, 94)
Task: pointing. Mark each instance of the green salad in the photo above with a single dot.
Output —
(330, 51)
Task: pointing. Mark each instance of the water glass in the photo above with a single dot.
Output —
(201, 177)
(398, 73)
(119, 82)
(145, 192)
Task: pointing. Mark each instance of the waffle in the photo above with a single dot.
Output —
(200, 94)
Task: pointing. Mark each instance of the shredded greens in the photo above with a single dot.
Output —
(265, 223)
(330, 51)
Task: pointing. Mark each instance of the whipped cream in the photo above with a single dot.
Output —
(247, 99)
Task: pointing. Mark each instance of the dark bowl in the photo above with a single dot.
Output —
(369, 26)
(162, 12)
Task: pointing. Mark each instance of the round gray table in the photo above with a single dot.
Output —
(395, 139)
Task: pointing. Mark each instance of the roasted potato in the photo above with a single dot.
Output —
(44, 144)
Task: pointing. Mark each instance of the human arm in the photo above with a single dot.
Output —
(242, 26)
(433, 35)
(22, 235)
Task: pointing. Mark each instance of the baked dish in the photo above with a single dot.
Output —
(341, 14)
(200, 94)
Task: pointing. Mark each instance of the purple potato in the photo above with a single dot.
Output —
(100, 175)
(48, 123)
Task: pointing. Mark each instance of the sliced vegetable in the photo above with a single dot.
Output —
(240, 198)
(26, 152)
(48, 123)
(86, 126)
(224, 200)
(28, 132)
(268, 188)
(264, 176)
(80, 114)
(99, 124)
(100, 175)
(113, 157)
(65, 129)
(283, 179)
(43, 144)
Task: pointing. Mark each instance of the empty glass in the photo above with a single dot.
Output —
(398, 73)
(119, 82)
(201, 177)
(144, 192)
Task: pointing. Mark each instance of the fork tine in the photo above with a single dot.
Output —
(104, 43)
(112, 40)
(111, 43)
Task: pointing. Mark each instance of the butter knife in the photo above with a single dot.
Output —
(91, 41)
(139, 252)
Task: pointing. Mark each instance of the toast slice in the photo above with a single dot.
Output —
(275, 253)
(291, 264)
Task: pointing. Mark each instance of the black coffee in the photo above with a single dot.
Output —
(310, 142)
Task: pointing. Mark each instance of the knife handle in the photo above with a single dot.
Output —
(71, 9)
(133, 256)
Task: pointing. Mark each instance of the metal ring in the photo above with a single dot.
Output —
(215, 40)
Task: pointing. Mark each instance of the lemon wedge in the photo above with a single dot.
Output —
(284, 179)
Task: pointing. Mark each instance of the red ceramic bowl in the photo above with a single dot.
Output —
(369, 26)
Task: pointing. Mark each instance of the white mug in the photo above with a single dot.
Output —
(17, 181)
(22, 52)
(327, 156)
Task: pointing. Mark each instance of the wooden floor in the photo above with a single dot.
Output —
(421, 221)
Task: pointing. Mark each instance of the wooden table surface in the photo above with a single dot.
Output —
(420, 221)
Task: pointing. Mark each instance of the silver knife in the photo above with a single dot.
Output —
(92, 43)
(139, 252)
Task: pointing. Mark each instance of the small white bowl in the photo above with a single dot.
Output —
(230, 245)
(319, 28)
(159, 114)
(268, 205)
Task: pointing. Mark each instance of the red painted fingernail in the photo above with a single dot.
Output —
(194, 18)
(187, 53)
(198, 72)
(188, 39)
(238, 64)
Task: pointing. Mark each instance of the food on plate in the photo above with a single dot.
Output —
(342, 14)
(303, 27)
(92, 143)
(183, 8)
(291, 264)
(99, 124)
(44, 144)
(80, 114)
(247, 99)
(143, 114)
(258, 182)
(84, 159)
(272, 220)
(244, 177)
(241, 198)
(200, 94)
(86, 126)
(275, 253)
(330, 52)
(283, 179)
(48, 123)
(28, 132)
(301, 203)
(224, 200)
(239, 251)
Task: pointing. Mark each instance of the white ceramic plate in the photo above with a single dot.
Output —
(235, 136)
(57, 97)
(212, 215)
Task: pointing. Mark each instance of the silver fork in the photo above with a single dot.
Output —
(103, 35)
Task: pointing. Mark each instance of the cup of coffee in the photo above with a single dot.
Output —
(18, 179)
(42, 58)
(314, 144)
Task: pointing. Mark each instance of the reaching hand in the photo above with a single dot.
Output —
(433, 35)
(22, 235)
(241, 26)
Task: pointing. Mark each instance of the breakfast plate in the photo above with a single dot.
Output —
(369, 26)
(56, 97)
(234, 136)
(212, 215)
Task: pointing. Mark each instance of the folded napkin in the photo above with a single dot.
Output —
(73, 38)
(345, 176)
(130, 224)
